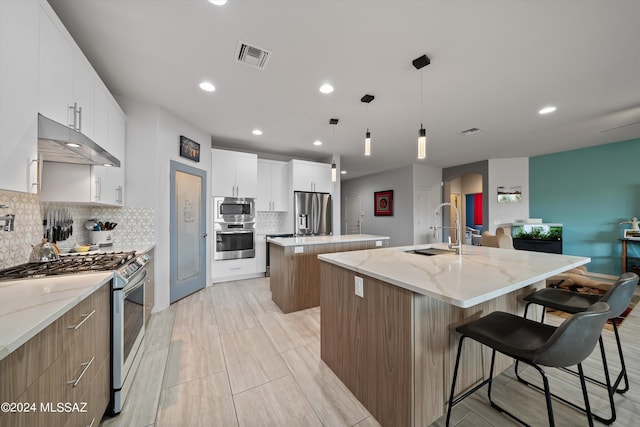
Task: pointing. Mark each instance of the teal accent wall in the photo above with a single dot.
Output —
(589, 191)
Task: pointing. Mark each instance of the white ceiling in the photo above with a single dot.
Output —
(494, 63)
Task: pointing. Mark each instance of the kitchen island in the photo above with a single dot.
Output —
(394, 346)
(295, 269)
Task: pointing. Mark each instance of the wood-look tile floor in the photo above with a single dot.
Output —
(228, 356)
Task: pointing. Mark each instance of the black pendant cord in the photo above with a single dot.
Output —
(421, 96)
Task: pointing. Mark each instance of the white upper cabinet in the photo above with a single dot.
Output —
(69, 90)
(101, 102)
(272, 186)
(95, 185)
(223, 175)
(19, 41)
(55, 88)
(246, 175)
(108, 182)
(311, 176)
(234, 174)
(83, 94)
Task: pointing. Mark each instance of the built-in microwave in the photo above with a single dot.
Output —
(234, 210)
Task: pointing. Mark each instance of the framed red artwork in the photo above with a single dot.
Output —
(383, 203)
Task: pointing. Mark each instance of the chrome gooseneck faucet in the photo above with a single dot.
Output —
(458, 245)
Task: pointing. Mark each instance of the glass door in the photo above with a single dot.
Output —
(188, 230)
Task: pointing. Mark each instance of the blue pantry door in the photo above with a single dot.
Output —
(188, 230)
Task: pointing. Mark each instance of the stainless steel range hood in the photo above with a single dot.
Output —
(60, 143)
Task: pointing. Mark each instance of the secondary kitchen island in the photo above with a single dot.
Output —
(394, 347)
(295, 269)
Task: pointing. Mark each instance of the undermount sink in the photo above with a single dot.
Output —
(431, 251)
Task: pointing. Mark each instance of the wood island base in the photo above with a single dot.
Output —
(295, 270)
(395, 349)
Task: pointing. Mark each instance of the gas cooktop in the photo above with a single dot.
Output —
(68, 264)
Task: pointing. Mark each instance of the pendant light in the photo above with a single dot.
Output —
(367, 136)
(334, 169)
(422, 143)
(419, 63)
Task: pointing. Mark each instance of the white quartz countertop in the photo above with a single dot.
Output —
(319, 240)
(28, 306)
(478, 275)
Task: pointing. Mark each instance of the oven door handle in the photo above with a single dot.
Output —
(236, 232)
(139, 281)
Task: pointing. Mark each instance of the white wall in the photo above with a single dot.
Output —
(507, 173)
(409, 224)
(152, 142)
(426, 182)
(398, 227)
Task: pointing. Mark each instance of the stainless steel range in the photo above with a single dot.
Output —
(127, 306)
(68, 264)
(127, 328)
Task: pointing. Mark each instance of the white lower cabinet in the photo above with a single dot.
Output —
(233, 269)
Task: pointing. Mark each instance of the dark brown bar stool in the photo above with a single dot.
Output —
(618, 297)
(535, 344)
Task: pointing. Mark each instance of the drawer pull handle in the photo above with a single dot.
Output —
(86, 316)
(92, 421)
(86, 365)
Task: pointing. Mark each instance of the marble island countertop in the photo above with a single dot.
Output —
(478, 275)
(319, 240)
(28, 306)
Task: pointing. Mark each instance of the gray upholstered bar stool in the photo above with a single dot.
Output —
(618, 297)
(535, 344)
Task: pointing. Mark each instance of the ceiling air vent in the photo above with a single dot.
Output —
(252, 56)
(470, 131)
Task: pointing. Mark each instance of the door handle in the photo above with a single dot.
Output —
(204, 235)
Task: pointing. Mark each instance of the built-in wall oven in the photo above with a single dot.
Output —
(234, 241)
(234, 221)
(234, 210)
(128, 327)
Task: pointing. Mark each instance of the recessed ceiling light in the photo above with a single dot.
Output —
(218, 2)
(343, 172)
(207, 86)
(256, 132)
(326, 88)
(546, 110)
(72, 145)
(317, 143)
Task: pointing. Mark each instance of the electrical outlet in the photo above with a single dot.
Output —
(298, 249)
(378, 243)
(359, 287)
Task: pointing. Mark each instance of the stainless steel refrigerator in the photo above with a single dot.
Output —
(312, 213)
